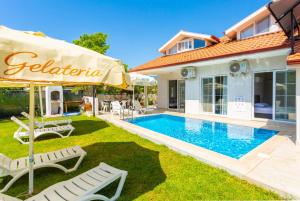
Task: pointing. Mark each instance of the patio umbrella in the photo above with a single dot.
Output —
(137, 79)
(30, 59)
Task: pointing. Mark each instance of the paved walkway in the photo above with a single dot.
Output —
(274, 164)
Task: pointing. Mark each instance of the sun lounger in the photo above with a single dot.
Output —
(138, 108)
(19, 167)
(57, 130)
(83, 187)
(48, 123)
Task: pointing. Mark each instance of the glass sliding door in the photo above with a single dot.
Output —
(214, 95)
(221, 95)
(285, 100)
(263, 95)
(173, 94)
(207, 94)
(181, 94)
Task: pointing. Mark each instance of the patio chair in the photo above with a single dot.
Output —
(19, 167)
(48, 123)
(83, 187)
(56, 130)
(117, 108)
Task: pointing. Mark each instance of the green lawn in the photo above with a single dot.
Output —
(154, 171)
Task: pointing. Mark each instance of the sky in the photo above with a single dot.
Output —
(136, 28)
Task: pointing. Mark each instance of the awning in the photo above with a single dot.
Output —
(286, 14)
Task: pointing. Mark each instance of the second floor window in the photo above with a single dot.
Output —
(263, 25)
(248, 32)
(258, 27)
(184, 45)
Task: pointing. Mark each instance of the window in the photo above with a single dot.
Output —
(214, 95)
(285, 102)
(199, 43)
(173, 50)
(258, 27)
(263, 25)
(221, 95)
(207, 94)
(248, 32)
(184, 45)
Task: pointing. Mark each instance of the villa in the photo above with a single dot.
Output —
(221, 120)
(249, 73)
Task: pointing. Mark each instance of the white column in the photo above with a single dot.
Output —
(146, 96)
(298, 106)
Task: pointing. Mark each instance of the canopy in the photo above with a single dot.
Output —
(284, 12)
(31, 58)
(142, 80)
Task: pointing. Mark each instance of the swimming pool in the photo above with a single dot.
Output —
(231, 140)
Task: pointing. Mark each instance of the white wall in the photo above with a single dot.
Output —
(237, 86)
(163, 88)
(192, 96)
(241, 86)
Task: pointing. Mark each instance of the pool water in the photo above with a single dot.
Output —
(231, 140)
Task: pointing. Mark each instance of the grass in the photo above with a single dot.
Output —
(154, 171)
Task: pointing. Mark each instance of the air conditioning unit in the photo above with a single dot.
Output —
(188, 72)
(239, 67)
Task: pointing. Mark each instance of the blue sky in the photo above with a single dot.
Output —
(136, 28)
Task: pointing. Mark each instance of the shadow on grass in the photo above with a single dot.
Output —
(82, 127)
(142, 164)
(88, 126)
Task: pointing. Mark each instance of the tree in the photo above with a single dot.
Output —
(96, 42)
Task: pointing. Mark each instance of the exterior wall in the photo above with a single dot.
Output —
(298, 105)
(241, 86)
(163, 88)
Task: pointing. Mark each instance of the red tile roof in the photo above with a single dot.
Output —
(225, 48)
(295, 58)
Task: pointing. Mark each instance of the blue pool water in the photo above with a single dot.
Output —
(230, 140)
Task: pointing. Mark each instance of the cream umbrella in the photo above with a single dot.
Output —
(137, 79)
(30, 59)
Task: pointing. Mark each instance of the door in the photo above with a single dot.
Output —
(173, 94)
(263, 95)
(285, 98)
(181, 94)
(214, 95)
(207, 94)
(220, 88)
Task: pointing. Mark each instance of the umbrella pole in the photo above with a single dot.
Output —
(94, 94)
(41, 104)
(31, 134)
(133, 97)
(146, 96)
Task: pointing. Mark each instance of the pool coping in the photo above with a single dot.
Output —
(237, 167)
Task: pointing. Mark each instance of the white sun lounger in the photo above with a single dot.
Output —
(56, 130)
(83, 187)
(48, 123)
(19, 167)
(138, 108)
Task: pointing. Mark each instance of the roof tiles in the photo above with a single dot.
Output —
(225, 48)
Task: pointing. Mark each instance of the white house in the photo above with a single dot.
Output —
(249, 73)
